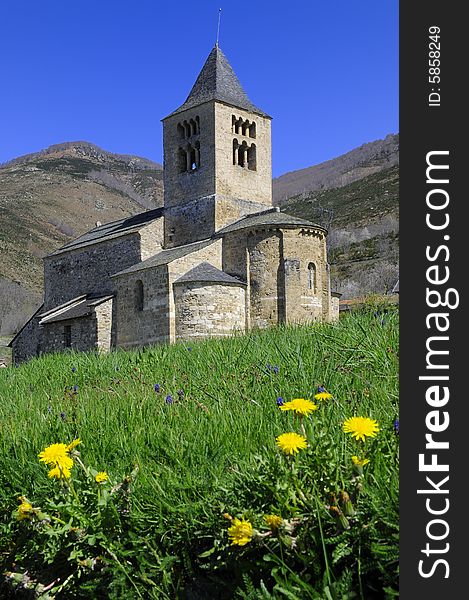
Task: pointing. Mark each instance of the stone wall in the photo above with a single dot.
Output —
(183, 187)
(234, 180)
(151, 238)
(306, 275)
(201, 218)
(208, 310)
(83, 334)
(288, 277)
(215, 172)
(235, 255)
(229, 210)
(27, 343)
(154, 320)
(87, 270)
(190, 222)
(334, 308)
(147, 323)
(265, 277)
(104, 322)
(211, 254)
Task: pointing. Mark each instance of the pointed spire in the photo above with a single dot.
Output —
(217, 81)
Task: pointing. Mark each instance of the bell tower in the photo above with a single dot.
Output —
(217, 156)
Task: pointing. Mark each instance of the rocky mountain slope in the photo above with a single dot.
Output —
(50, 197)
(359, 163)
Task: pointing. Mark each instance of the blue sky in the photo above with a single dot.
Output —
(107, 71)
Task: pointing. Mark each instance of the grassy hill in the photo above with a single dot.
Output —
(187, 437)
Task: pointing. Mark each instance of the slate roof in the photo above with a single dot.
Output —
(205, 272)
(112, 230)
(82, 306)
(217, 81)
(166, 256)
(270, 217)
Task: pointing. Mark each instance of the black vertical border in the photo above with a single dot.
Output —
(423, 129)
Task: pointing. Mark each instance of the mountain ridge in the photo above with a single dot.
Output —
(360, 162)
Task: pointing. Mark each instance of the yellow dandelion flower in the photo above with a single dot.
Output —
(360, 427)
(62, 470)
(300, 406)
(323, 396)
(291, 442)
(240, 533)
(360, 462)
(273, 521)
(53, 454)
(25, 509)
(101, 477)
(56, 456)
(73, 444)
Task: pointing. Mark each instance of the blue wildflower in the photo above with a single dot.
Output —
(157, 388)
(321, 388)
(75, 389)
(169, 400)
(74, 369)
(280, 401)
(190, 349)
(396, 426)
(49, 409)
(275, 370)
(63, 416)
(180, 393)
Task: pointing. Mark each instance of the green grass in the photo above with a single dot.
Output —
(213, 451)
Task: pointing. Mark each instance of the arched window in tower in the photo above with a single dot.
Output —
(197, 125)
(193, 127)
(243, 155)
(252, 130)
(245, 127)
(187, 129)
(233, 124)
(312, 277)
(197, 155)
(235, 151)
(139, 297)
(181, 131)
(252, 159)
(191, 163)
(182, 160)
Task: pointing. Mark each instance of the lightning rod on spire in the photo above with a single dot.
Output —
(218, 27)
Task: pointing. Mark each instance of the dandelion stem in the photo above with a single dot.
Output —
(114, 557)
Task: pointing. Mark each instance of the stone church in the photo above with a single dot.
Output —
(217, 258)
